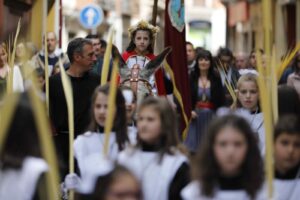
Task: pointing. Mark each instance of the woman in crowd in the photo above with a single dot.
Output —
(207, 96)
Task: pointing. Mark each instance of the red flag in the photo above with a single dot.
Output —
(175, 37)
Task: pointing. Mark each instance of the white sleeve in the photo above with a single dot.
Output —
(17, 80)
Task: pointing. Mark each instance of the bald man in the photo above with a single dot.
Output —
(53, 55)
(240, 60)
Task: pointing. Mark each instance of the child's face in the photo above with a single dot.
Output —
(287, 151)
(100, 108)
(248, 95)
(149, 125)
(130, 104)
(141, 40)
(230, 150)
(125, 187)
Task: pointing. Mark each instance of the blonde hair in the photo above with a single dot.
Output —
(250, 77)
(247, 77)
(4, 47)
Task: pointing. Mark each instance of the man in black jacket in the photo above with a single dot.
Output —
(84, 81)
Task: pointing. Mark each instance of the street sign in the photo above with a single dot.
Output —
(91, 16)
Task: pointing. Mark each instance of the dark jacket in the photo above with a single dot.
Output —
(216, 89)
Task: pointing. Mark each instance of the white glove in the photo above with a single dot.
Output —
(72, 181)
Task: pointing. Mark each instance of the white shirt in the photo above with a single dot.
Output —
(155, 177)
(91, 143)
(18, 85)
(193, 192)
(256, 121)
(132, 135)
(88, 151)
(248, 71)
(20, 184)
(287, 189)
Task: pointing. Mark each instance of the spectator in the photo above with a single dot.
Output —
(191, 56)
(81, 55)
(207, 95)
(240, 61)
(225, 58)
(53, 55)
(294, 78)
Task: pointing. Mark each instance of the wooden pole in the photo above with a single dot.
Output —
(154, 13)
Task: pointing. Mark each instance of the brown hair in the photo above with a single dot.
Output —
(132, 46)
(206, 167)
(289, 124)
(22, 136)
(120, 125)
(169, 131)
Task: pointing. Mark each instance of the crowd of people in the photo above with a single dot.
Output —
(222, 157)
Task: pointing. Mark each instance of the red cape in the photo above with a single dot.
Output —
(159, 74)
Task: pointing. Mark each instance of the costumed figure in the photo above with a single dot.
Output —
(139, 66)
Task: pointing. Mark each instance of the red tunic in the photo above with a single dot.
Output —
(159, 74)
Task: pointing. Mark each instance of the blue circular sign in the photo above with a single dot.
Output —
(91, 16)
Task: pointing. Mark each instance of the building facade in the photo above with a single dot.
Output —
(245, 24)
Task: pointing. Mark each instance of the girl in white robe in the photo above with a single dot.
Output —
(156, 160)
(248, 100)
(229, 166)
(22, 169)
(130, 102)
(287, 158)
(247, 106)
(90, 144)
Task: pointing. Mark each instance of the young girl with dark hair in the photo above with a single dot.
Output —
(287, 158)
(229, 165)
(21, 167)
(207, 96)
(156, 160)
(90, 144)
